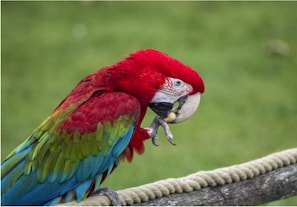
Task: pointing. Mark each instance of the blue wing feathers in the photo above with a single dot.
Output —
(35, 174)
(122, 143)
(97, 182)
(89, 170)
(69, 196)
(81, 189)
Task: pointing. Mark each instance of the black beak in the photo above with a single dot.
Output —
(163, 108)
(181, 101)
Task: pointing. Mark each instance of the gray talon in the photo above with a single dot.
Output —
(168, 134)
(153, 130)
(154, 139)
(112, 195)
(170, 140)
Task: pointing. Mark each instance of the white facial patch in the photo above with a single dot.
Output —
(171, 91)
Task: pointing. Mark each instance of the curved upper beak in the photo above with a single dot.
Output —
(187, 106)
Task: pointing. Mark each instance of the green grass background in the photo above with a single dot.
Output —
(249, 108)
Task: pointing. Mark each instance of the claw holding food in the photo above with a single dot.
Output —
(167, 131)
(163, 106)
(153, 130)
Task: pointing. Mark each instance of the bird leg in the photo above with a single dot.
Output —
(153, 130)
(112, 195)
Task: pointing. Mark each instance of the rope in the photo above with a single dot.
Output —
(196, 181)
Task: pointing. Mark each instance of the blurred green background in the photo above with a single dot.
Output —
(245, 51)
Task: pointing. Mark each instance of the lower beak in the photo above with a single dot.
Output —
(162, 108)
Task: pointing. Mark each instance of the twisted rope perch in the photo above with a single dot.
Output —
(204, 179)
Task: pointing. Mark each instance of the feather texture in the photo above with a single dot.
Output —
(57, 163)
(70, 154)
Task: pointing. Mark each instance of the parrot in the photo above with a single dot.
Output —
(98, 124)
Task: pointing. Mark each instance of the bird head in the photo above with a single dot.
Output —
(162, 83)
(175, 91)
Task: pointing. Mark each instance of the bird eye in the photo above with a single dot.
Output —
(178, 82)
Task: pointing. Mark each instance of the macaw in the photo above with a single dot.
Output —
(70, 154)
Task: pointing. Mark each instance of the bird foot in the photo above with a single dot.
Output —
(153, 130)
(112, 195)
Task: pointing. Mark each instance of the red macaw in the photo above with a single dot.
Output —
(70, 154)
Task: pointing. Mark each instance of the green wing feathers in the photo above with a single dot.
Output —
(66, 155)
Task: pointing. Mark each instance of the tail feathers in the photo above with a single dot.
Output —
(79, 193)
(26, 189)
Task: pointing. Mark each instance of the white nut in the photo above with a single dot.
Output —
(170, 117)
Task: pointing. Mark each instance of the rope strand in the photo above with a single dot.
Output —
(196, 181)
